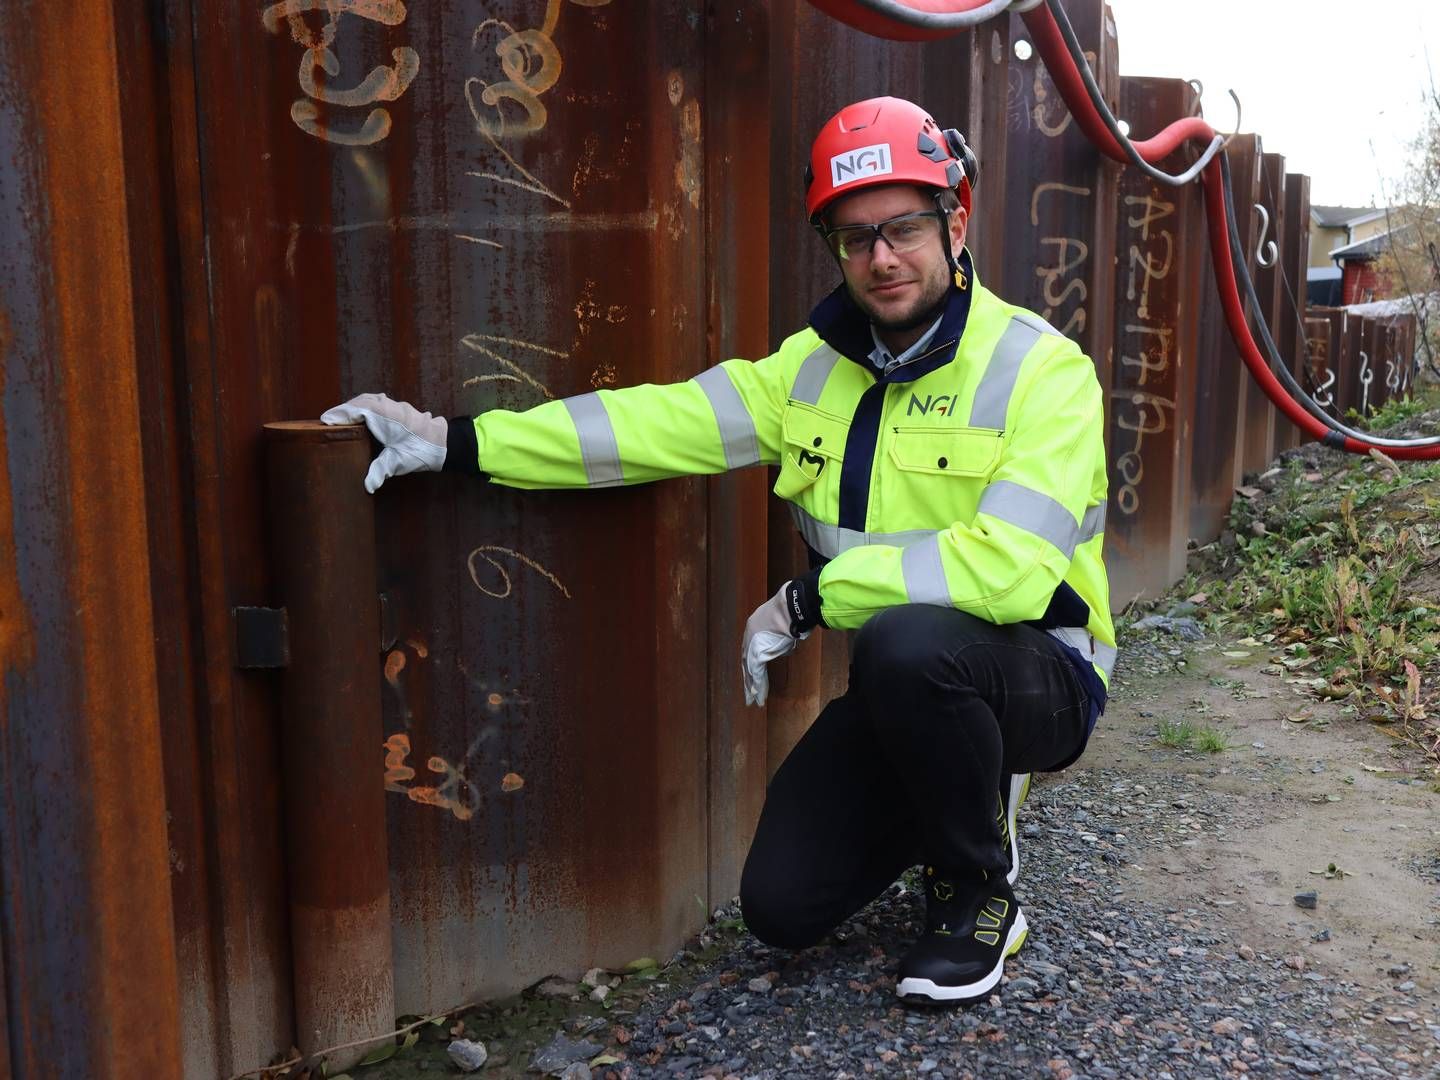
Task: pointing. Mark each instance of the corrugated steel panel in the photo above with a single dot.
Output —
(1161, 246)
(1060, 202)
(1228, 402)
(90, 972)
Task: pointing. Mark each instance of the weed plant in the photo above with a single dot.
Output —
(1326, 581)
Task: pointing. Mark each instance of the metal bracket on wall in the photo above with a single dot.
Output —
(262, 637)
(262, 634)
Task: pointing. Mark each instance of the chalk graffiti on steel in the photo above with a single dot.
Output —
(1366, 378)
(383, 83)
(454, 793)
(484, 554)
(488, 345)
(1070, 257)
(1140, 412)
(531, 64)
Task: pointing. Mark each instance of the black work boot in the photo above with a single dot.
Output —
(970, 928)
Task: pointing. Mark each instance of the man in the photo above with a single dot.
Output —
(942, 453)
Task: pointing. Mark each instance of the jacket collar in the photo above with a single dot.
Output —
(844, 327)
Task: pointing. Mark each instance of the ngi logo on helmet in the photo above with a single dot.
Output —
(861, 162)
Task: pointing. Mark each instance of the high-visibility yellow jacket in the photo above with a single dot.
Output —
(971, 476)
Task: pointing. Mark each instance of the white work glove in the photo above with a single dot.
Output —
(769, 635)
(413, 441)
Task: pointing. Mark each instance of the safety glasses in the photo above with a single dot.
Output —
(904, 233)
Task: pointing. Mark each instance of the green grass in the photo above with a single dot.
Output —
(1185, 735)
(1211, 741)
(1326, 587)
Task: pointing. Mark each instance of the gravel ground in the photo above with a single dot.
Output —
(1111, 983)
(1107, 985)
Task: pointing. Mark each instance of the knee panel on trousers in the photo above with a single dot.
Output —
(912, 646)
(779, 918)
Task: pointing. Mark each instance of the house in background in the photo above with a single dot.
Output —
(1334, 229)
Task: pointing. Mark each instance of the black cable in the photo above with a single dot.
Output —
(1242, 271)
(1277, 366)
(1097, 98)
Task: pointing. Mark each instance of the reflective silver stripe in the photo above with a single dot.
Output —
(1033, 511)
(598, 448)
(925, 574)
(812, 375)
(1092, 524)
(737, 428)
(831, 540)
(1029, 318)
(992, 396)
(1082, 641)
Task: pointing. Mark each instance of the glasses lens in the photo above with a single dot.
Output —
(847, 243)
(909, 232)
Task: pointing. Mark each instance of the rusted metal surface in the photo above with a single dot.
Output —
(1340, 356)
(1061, 196)
(1270, 290)
(1224, 410)
(1161, 246)
(476, 239)
(322, 544)
(470, 209)
(1357, 373)
(1320, 351)
(1245, 153)
(737, 117)
(91, 982)
(1294, 259)
(1377, 350)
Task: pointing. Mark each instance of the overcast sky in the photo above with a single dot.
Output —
(1320, 80)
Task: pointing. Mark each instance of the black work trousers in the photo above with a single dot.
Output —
(906, 766)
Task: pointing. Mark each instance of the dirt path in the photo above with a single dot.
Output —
(1305, 795)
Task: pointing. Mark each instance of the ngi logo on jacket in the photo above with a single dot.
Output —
(933, 403)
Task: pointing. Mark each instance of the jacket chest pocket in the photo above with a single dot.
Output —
(970, 452)
(814, 446)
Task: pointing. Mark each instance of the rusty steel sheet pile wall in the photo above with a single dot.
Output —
(1294, 260)
(1161, 250)
(1224, 408)
(1060, 202)
(476, 207)
(89, 961)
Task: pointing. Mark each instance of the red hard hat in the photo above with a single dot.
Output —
(885, 140)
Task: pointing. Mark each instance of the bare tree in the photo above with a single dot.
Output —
(1412, 260)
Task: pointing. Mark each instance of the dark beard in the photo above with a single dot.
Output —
(922, 317)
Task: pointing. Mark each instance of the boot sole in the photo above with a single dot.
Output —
(969, 992)
(1019, 788)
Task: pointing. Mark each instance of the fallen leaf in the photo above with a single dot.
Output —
(603, 1059)
(1373, 768)
(383, 1052)
(512, 782)
(1386, 460)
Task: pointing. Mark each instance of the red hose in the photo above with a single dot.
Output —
(1050, 43)
(1061, 65)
